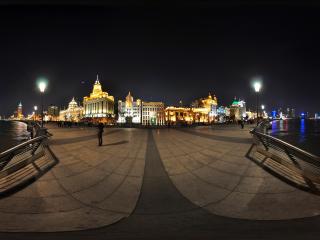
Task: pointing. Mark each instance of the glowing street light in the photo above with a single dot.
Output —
(35, 112)
(262, 107)
(42, 85)
(257, 85)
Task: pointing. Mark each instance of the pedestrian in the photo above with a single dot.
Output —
(100, 131)
(242, 123)
(30, 130)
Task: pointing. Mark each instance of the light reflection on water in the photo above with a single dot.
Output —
(12, 133)
(303, 133)
(302, 130)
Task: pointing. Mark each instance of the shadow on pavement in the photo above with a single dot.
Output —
(281, 174)
(115, 143)
(79, 139)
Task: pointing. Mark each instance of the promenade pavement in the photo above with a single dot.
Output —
(90, 187)
(155, 184)
(211, 168)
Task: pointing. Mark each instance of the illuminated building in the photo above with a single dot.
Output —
(179, 115)
(73, 113)
(53, 113)
(290, 113)
(153, 113)
(223, 114)
(251, 115)
(238, 109)
(129, 111)
(18, 115)
(99, 106)
(205, 109)
(317, 115)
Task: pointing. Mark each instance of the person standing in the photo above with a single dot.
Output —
(30, 130)
(242, 123)
(100, 131)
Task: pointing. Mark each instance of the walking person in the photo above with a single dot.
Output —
(30, 130)
(100, 131)
(242, 123)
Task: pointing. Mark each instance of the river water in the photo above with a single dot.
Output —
(303, 133)
(12, 133)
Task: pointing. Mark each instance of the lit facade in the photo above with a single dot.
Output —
(18, 114)
(205, 109)
(290, 113)
(238, 109)
(223, 114)
(153, 114)
(129, 111)
(179, 115)
(53, 113)
(73, 113)
(99, 106)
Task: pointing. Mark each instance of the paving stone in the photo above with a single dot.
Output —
(101, 191)
(221, 179)
(199, 192)
(79, 219)
(126, 196)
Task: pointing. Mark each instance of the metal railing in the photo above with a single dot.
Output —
(21, 155)
(292, 157)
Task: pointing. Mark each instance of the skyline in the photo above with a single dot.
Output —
(160, 54)
(184, 104)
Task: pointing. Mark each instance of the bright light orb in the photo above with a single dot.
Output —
(257, 86)
(42, 86)
(262, 107)
(35, 108)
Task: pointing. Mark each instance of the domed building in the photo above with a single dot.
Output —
(205, 109)
(73, 113)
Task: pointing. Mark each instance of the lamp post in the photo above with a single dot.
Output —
(35, 112)
(263, 112)
(42, 87)
(257, 86)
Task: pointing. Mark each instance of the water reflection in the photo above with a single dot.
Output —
(12, 133)
(280, 127)
(274, 126)
(302, 135)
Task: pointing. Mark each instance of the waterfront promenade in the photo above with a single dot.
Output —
(154, 184)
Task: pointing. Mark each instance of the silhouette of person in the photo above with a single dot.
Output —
(100, 131)
(30, 130)
(242, 123)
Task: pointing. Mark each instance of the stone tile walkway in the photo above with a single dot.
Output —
(214, 173)
(90, 187)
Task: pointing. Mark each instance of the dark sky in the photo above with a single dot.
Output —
(161, 52)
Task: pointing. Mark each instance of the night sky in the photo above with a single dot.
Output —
(161, 52)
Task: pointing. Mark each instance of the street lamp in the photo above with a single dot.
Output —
(263, 112)
(42, 85)
(35, 112)
(257, 87)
